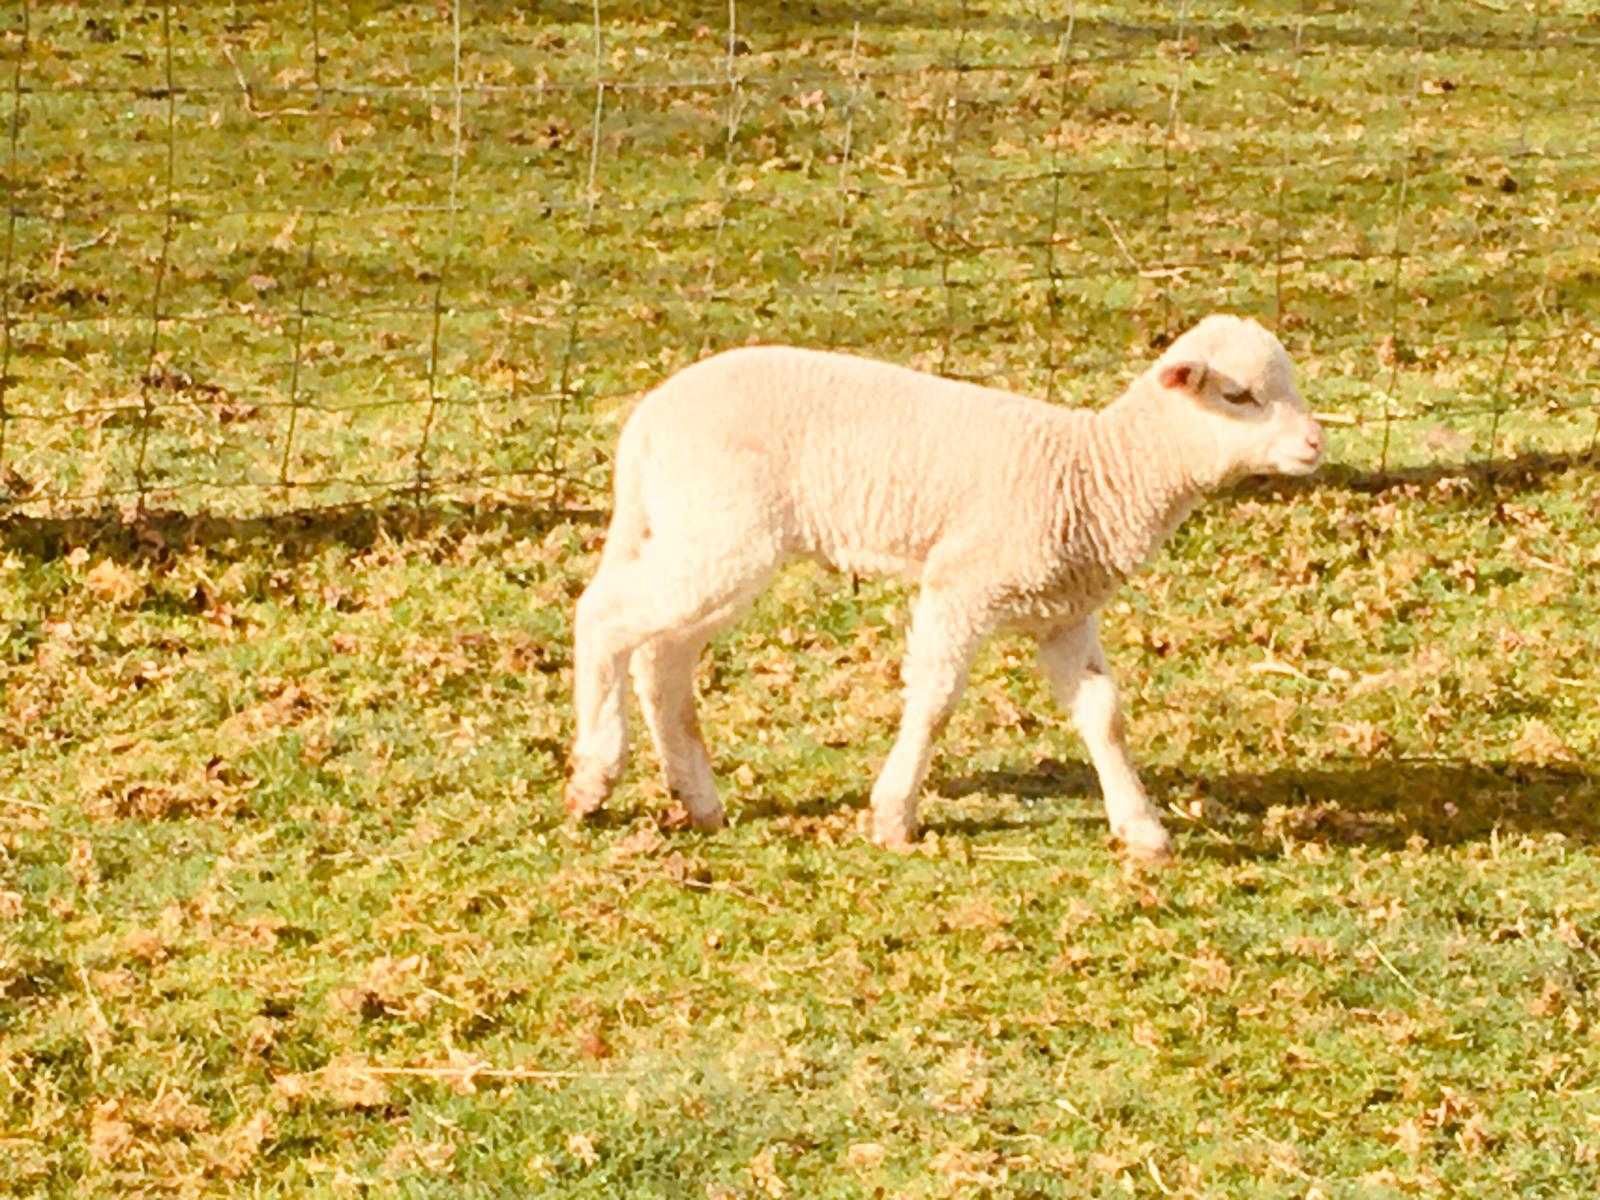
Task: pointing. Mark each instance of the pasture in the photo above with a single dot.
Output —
(318, 332)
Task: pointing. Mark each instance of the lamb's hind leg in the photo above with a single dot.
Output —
(667, 592)
(663, 679)
(1076, 667)
(600, 655)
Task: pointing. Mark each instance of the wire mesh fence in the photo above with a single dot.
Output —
(260, 256)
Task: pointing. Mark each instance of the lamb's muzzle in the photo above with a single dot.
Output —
(1010, 513)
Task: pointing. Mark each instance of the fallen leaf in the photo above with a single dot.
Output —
(112, 583)
(864, 1155)
(764, 1172)
(110, 1137)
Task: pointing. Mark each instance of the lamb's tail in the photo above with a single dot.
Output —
(629, 527)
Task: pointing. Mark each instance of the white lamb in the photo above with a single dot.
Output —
(1009, 512)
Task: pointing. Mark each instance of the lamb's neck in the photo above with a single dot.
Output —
(1137, 481)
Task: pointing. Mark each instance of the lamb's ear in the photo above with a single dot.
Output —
(1183, 376)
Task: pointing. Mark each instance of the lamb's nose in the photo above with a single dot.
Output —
(1314, 437)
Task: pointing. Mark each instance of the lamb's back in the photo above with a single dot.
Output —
(873, 463)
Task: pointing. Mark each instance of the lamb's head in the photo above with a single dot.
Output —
(1227, 387)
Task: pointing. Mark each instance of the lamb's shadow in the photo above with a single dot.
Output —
(1485, 481)
(819, 807)
(1377, 803)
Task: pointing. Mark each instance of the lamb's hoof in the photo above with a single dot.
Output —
(708, 820)
(700, 810)
(1145, 841)
(894, 836)
(585, 795)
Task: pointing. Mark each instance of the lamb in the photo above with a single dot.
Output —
(1009, 513)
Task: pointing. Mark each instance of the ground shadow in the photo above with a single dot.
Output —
(111, 532)
(768, 808)
(1381, 803)
(1485, 480)
(813, 17)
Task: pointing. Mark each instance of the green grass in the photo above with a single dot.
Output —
(286, 904)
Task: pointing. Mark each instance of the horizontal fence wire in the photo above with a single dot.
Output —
(264, 278)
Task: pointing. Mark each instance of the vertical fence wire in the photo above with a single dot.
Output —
(1499, 394)
(842, 225)
(302, 317)
(1508, 355)
(149, 382)
(446, 257)
(316, 51)
(1397, 250)
(725, 183)
(1052, 263)
(948, 233)
(1169, 166)
(308, 268)
(579, 283)
(11, 240)
(1280, 186)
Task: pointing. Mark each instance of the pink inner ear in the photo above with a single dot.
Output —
(1176, 375)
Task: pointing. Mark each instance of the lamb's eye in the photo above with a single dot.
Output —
(1243, 396)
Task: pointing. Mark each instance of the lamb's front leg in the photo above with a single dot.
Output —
(1076, 667)
(939, 651)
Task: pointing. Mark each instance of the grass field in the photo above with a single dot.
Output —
(286, 904)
